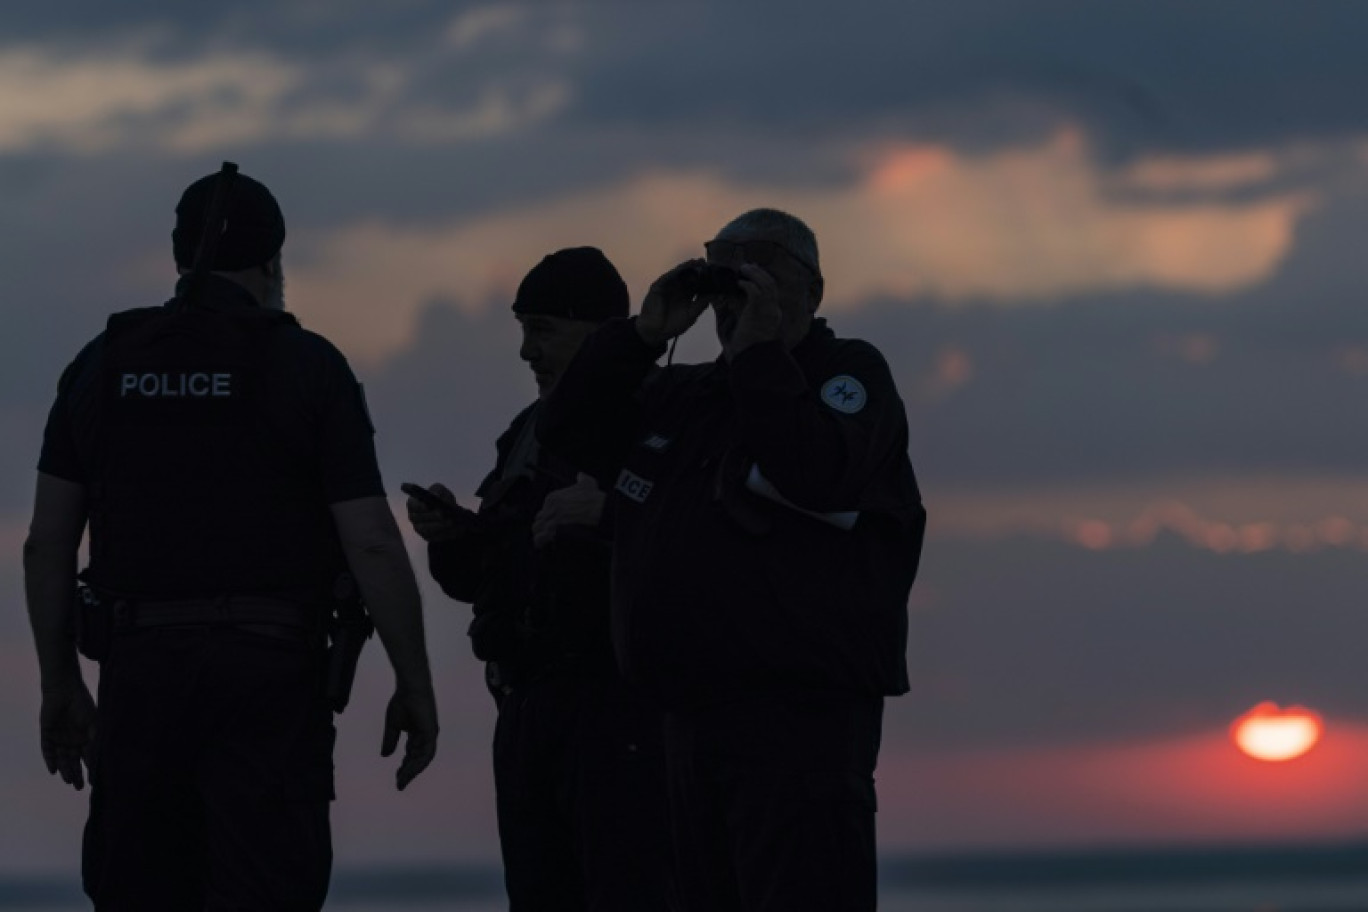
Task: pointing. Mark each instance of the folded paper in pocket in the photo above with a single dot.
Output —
(758, 484)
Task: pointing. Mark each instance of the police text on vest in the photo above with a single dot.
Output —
(176, 386)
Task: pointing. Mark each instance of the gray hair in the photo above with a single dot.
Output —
(788, 231)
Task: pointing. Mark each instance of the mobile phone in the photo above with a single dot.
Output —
(422, 494)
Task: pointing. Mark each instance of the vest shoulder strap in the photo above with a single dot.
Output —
(256, 319)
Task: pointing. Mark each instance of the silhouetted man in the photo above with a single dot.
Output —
(767, 529)
(223, 457)
(578, 769)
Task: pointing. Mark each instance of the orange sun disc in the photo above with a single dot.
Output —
(1269, 733)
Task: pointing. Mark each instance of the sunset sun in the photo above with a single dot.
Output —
(1267, 732)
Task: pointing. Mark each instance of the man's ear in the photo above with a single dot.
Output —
(815, 291)
(271, 267)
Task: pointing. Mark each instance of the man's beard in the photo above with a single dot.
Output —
(725, 321)
(275, 293)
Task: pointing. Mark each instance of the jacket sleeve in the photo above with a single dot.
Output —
(823, 447)
(60, 455)
(458, 565)
(592, 414)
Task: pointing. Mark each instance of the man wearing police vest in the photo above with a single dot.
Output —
(223, 459)
(766, 531)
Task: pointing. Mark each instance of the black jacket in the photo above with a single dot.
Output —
(717, 589)
(533, 607)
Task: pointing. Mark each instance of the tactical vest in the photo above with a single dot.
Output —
(193, 493)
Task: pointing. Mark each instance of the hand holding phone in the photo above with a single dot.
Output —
(434, 512)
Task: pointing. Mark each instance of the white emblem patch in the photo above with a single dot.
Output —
(844, 394)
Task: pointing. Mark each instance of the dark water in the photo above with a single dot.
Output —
(1213, 898)
(1259, 879)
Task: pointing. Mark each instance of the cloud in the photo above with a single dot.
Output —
(1109, 386)
(1020, 225)
(1225, 513)
(440, 406)
(476, 25)
(141, 91)
(1151, 78)
(1040, 223)
(91, 102)
(1170, 173)
(499, 110)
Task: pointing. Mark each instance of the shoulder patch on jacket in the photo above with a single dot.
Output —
(844, 393)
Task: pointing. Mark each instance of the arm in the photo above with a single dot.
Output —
(374, 552)
(590, 416)
(458, 565)
(816, 455)
(457, 551)
(67, 718)
(578, 505)
(377, 558)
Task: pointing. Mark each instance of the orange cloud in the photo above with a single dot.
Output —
(911, 166)
(953, 368)
(1194, 348)
(1352, 360)
(1222, 172)
(1015, 226)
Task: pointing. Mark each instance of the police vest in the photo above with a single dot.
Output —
(193, 494)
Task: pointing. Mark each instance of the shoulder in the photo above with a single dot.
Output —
(850, 375)
(858, 353)
(309, 352)
(312, 372)
(133, 316)
(309, 341)
(81, 368)
(516, 426)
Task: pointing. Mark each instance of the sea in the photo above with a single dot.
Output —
(1241, 879)
(1135, 898)
(1216, 898)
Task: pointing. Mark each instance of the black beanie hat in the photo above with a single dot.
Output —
(578, 283)
(253, 232)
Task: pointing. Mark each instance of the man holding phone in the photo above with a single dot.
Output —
(578, 768)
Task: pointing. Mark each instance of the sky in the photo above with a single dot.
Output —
(1111, 252)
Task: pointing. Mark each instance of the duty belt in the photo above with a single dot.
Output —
(274, 617)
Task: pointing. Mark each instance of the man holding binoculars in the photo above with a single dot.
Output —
(766, 531)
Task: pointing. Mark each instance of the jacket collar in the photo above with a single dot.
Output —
(806, 352)
(219, 293)
(809, 350)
